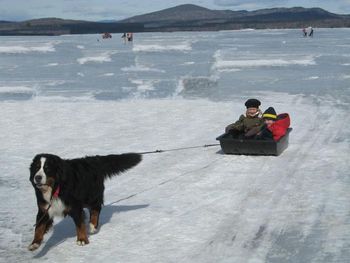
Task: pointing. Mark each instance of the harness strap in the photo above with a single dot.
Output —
(55, 195)
(57, 192)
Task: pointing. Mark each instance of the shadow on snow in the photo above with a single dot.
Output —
(66, 228)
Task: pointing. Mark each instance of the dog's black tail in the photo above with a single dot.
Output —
(110, 165)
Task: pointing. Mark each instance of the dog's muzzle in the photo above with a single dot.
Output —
(38, 181)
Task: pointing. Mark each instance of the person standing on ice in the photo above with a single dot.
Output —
(275, 126)
(251, 119)
(311, 34)
(124, 37)
(304, 32)
(130, 37)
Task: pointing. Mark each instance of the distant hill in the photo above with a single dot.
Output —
(183, 18)
(180, 13)
(57, 26)
(191, 17)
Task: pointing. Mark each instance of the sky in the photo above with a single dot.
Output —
(96, 10)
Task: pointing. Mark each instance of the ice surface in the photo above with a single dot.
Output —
(196, 205)
(159, 48)
(13, 47)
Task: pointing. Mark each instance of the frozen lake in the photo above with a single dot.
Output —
(81, 95)
(215, 65)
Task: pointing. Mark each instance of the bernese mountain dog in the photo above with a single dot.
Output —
(67, 186)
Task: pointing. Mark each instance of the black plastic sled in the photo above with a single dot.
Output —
(230, 145)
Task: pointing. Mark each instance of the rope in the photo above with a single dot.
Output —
(148, 152)
(166, 181)
(180, 149)
(46, 212)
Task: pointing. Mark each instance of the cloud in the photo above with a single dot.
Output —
(233, 3)
(250, 4)
(344, 6)
(14, 14)
(94, 13)
(336, 6)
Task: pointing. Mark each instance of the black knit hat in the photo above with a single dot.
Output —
(270, 114)
(252, 103)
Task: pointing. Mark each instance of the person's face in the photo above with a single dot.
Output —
(252, 111)
(268, 122)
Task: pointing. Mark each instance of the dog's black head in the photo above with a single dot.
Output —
(46, 171)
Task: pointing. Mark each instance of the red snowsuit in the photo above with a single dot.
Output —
(280, 126)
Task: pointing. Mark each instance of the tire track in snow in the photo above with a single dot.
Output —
(256, 241)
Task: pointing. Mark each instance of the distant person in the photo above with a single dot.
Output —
(124, 37)
(251, 119)
(129, 36)
(106, 35)
(304, 32)
(311, 34)
(275, 126)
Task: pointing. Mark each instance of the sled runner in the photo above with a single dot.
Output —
(230, 145)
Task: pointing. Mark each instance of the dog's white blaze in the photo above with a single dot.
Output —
(41, 170)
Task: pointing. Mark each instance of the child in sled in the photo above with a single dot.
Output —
(275, 126)
(251, 119)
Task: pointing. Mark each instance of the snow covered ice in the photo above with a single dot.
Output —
(75, 96)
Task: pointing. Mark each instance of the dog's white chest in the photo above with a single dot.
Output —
(57, 207)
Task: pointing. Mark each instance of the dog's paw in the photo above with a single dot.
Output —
(82, 242)
(92, 229)
(33, 246)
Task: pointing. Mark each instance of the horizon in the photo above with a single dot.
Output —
(128, 9)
